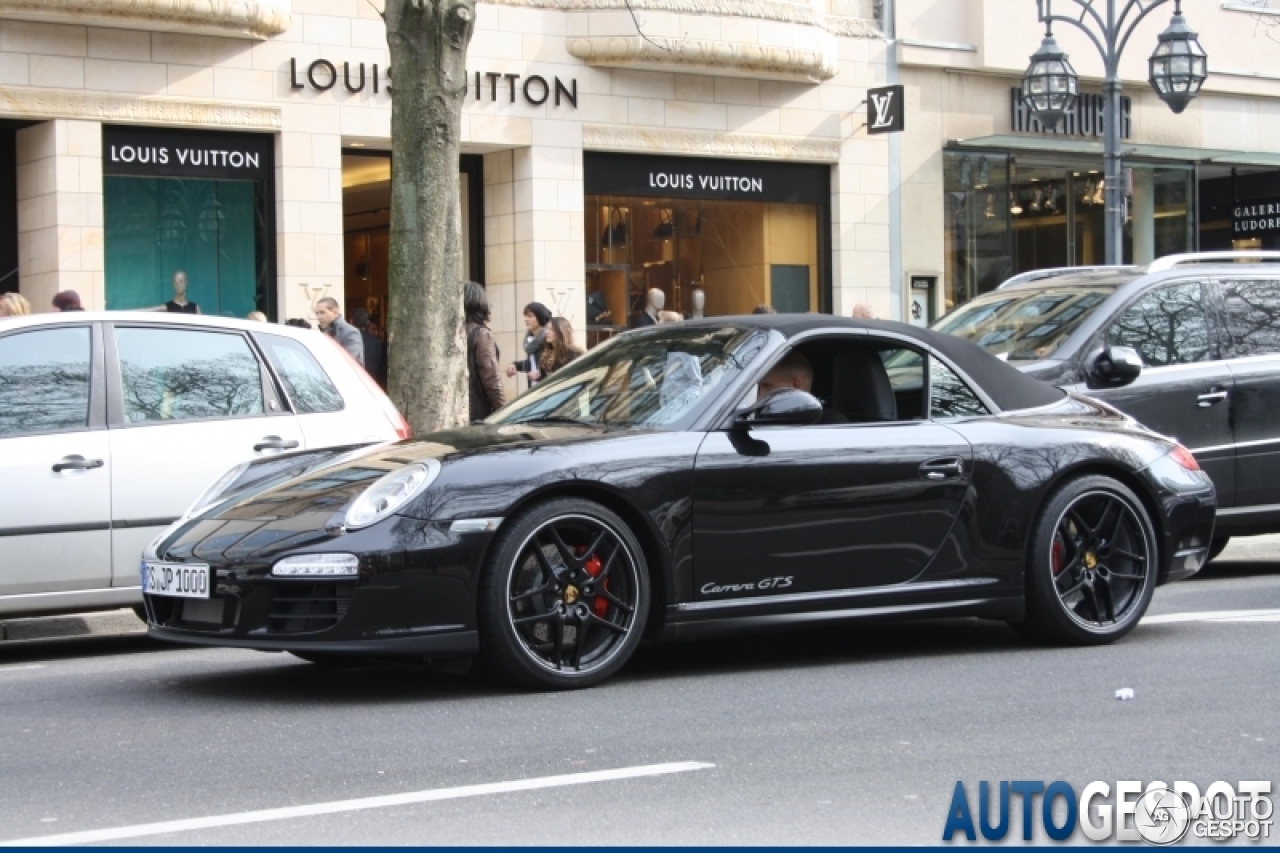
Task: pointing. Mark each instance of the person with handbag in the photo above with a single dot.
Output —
(536, 318)
(485, 385)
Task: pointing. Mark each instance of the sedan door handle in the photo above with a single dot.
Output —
(1204, 401)
(274, 442)
(76, 463)
(943, 469)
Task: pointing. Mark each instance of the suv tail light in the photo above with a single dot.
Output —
(1184, 458)
(389, 410)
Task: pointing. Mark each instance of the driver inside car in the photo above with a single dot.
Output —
(795, 371)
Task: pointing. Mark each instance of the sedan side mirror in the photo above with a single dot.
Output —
(784, 407)
(1116, 366)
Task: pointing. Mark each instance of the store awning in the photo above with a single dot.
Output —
(1093, 148)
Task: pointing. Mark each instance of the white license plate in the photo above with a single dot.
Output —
(176, 580)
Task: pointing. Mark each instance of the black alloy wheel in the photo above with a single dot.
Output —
(1092, 566)
(564, 597)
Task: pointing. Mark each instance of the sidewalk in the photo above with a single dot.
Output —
(106, 624)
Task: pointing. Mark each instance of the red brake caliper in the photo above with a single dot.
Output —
(1059, 551)
(599, 604)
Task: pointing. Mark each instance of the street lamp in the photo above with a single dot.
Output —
(1178, 69)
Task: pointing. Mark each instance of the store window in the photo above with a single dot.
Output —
(366, 225)
(193, 202)
(702, 237)
(1006, 216)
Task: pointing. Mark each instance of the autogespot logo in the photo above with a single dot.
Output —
(1158, 814)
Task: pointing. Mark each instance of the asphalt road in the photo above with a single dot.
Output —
(856, 735)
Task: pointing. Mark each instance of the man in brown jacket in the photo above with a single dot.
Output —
(485, 384)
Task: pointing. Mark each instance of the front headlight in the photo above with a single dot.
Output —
(390, 493)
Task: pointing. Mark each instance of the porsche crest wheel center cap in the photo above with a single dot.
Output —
(1090, 561)
(570, 594)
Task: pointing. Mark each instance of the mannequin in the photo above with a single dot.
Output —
(179, 303)
(699, 303)
(654, 302)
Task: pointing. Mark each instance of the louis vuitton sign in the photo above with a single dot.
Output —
(321, 75)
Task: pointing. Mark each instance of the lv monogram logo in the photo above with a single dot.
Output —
(881, 103)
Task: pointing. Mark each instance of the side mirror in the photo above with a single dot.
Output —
(1116, 366)
(784, 407)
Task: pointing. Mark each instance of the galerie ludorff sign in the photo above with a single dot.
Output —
(1256, 218)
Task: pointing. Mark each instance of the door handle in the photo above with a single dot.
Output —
(76, 463)
(274, 442)
(1210, 398)
(942, 469)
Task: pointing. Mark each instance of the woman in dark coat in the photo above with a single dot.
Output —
(536, 317)
(485, 384)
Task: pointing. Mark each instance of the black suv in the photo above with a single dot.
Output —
(1189, 346)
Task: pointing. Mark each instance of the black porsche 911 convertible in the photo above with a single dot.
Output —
(709, 475)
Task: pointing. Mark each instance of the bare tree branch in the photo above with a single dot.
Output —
(635, 21)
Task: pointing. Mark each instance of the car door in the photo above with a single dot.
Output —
(1185, 388)
(55, 465)
(185, 404)
(1251, 316)
(790, 509)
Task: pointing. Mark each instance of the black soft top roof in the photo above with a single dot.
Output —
(1008, 387)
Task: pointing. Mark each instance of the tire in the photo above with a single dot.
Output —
(563, 596)
(1216, 547)
(1092, 565)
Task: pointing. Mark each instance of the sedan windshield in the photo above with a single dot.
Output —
(1027, 325)
(653, 378)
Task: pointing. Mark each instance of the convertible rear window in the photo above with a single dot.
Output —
(645, 379)
(1024, 325)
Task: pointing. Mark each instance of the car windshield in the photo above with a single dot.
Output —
(652, 378)
(1024, 326)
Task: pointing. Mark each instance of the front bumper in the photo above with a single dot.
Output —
(448, 644)
(414, 595)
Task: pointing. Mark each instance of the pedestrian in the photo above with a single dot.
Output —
(863, 311)
(483, 382)
(536, 318)
(332, 324)
(256, 316)
(763, 308)
(375, 351)
(14, 305)
(297, 323)
(67, 300)
(558, 349)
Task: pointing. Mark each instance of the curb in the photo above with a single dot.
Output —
(105, 624)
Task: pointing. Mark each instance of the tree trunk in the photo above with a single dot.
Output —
(427, 365)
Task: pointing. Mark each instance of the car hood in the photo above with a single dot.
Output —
(307, 509)
(324, 490)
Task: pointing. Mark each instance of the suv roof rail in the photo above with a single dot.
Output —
(1169, 262)
(1054, 272)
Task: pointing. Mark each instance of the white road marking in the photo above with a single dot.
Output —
(4, 669)
(146, 829)
(1214, 616)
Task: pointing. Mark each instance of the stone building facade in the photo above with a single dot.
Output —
(95, 94)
